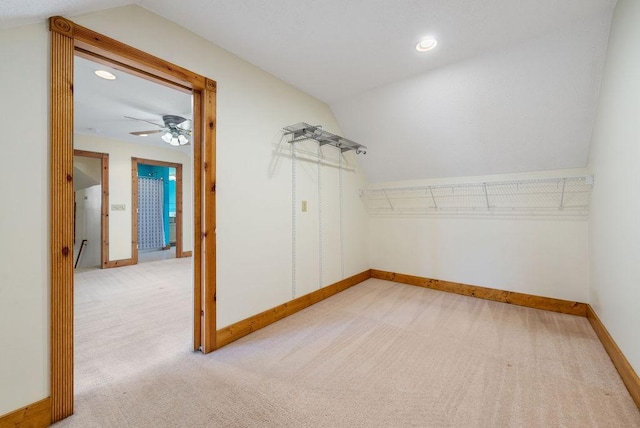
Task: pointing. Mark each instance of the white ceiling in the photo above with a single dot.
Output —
(512, 85)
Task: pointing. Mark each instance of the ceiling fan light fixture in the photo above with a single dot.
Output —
(426, 44)
(175, 139)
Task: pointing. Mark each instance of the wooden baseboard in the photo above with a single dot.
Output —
(186, 254)
(242, 328)
(520, 299)
(119, 263)
(628, 375)
(36, 415)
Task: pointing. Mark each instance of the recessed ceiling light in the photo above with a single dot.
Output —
(143, 135)
(105, 74)
(427, 44)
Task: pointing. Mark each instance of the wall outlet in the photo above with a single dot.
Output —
(304, 206)
(118, 207)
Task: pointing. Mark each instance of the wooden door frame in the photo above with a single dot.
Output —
(134, 205)
(66, 40)
(104, 208)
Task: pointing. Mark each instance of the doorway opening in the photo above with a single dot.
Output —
(157, 200)
(68, 40)
(118, 311)
(90, 209)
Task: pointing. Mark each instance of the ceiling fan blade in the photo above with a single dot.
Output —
(155, 131)
(143, 120)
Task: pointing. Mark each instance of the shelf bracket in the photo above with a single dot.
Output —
(304, 131)
(388, 200)
(433, 198)
(486, 196)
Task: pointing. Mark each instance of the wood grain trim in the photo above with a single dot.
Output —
(620, 362)
(61, 26)
(198, 228)
(88, 154)
(94, 57)
(104, 222)
(104, 208)
(154, 162)
(61, 197)
(187, 254)
(119, 263)
(36, 415)
(209, 216)
(242, 328)
(99, 44)
(511, 297)
(179, 213)
(134, 211)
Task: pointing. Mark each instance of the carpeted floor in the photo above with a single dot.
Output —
(376, 355)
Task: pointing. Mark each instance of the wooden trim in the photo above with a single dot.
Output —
(242, 328)
(620, 362)
(145, 63)
(104, 222)
(104, 209)
(511, 297)
(187, 253)
(61, 107)
(62, 26)
(97, 58)
(209, 156)
(158, 163)
(119, 263)
(36, 415)
(198, 265)
(179, 214)
(134, 211)
(68, 38)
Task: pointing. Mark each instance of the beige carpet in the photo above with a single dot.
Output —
(377, 355)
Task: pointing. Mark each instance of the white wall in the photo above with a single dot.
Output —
(86, 172)
(615, 209)
(24, 255)
(253, 182)
(120, 154)
(329, 239)
(87, 177)
(540, 256)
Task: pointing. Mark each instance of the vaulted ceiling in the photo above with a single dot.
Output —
(512, 85)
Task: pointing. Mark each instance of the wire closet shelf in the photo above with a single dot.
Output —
(565, 196)
(303, 131)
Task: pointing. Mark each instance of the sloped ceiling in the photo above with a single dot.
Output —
(510, 87)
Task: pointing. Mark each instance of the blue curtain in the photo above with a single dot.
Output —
(150, 213)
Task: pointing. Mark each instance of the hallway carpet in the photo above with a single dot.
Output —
(379, 354)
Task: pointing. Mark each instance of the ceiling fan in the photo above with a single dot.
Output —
(176, 129)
